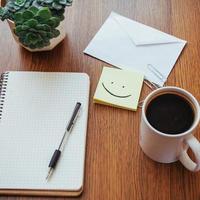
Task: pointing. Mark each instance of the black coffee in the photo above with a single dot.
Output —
(170, 114)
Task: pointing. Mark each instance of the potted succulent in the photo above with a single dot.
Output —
(37, 25)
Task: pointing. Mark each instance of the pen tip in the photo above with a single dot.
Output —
(49, 174)
(47, 177)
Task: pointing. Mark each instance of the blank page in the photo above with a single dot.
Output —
(36, 111)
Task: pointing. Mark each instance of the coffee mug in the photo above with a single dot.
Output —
(170, 116)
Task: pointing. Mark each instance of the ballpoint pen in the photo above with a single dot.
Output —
(57, 152)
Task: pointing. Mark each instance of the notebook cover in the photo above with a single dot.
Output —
(37, 106)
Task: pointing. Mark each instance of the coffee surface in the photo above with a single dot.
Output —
(170, 114)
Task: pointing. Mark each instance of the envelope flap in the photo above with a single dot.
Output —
(141, 34)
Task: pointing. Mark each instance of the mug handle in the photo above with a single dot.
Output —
(184, 158)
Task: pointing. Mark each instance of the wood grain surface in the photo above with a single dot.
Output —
(116, 168)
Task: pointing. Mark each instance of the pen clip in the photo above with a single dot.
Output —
(74, 121)
(74, 116)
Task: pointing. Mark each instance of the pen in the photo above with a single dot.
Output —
(57, 152)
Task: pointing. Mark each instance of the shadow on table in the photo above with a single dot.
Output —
(172, 178)
(57, 59)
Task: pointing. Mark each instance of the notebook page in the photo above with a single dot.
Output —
(36, 111)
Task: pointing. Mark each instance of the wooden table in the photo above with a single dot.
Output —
(116, 168)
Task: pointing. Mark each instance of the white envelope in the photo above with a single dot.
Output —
(125, 43)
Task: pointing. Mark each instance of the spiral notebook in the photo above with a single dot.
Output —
(34, 112)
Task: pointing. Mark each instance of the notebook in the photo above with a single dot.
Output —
(119, 88)
(35, 109)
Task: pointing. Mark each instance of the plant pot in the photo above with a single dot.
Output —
(53, 42)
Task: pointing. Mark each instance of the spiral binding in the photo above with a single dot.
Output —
(3, 85)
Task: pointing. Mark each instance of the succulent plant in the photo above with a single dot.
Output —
(35, 20)
(35, 27)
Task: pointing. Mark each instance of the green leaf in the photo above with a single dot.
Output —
(26, 41)
(10, 5)
(16, 8)
(18, 18)
(50, 22)
(62, 11)
(18, 28)
(40, 27)
(56, 32)
(21, 34)
(63, 2)
(40, 44)
(38, 18)
(39, 1)
(24, 27)
(42, 33)
(31, 23)
(50, 35)
(48, 1)
(33, 9)
(47, 43)
(56, 6)
(36, 4)
(46, 27)
(27, 15)
(69, 2)
(32, 38)
(62, 17)
(33, 30)
(27, 4)
(20, 2)
(46, 40)
(21, 39)
(43, 27)
(2, 12)
(44, 13)
(53, 22)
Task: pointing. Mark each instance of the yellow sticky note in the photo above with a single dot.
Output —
(119, 88)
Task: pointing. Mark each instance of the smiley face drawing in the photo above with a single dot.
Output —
(121, 89)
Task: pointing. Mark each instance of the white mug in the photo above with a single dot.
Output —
(168, 148)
